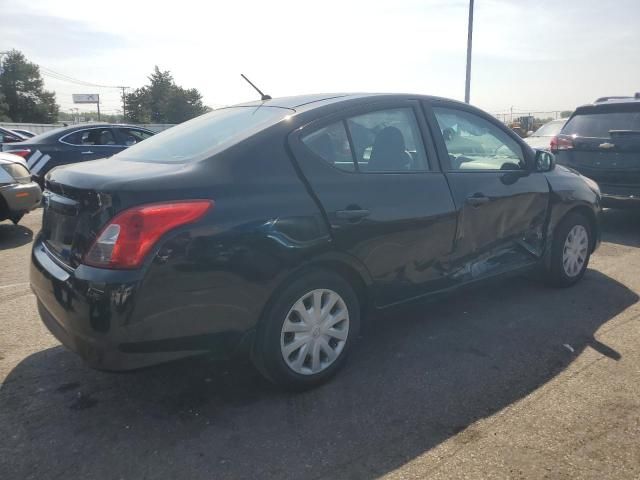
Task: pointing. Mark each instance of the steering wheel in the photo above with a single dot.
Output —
(411, 163)
(456, 162)
(495, 151)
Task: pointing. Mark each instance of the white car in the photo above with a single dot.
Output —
(19, 194)
(541, 138)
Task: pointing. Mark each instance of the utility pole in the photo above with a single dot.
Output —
(124, 102)
(467, 86)
(2, 54)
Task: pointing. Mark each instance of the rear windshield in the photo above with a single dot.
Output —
(600, 124)
(204, 135)
(550, 129)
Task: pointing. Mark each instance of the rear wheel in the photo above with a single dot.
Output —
(570, 251)
(304, 337)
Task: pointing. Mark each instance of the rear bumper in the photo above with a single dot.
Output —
(93, 313)
(21, 198)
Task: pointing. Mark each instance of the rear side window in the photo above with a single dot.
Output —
(332, 145)
(205, 135)
(600, 124)
(388, 141)
(381, 141)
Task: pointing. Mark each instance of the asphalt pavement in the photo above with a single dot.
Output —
(508, 380)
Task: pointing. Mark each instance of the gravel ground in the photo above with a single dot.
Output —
(509, 380)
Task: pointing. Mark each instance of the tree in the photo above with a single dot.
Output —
(4, 109)
(24, 93)
(162, 101)
(89, 116)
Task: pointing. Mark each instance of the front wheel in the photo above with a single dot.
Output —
(570, 251)
(304, 337)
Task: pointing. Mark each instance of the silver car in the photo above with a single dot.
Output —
(19, 194)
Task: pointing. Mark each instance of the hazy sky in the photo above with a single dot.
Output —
(532, 55)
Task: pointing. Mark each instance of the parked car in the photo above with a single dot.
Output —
(24, 133)
(18, 193)
(74, 144)
(602, 141)
(273, 226)
(542, 137)
(9, 136)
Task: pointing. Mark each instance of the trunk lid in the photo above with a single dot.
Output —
(80, 199)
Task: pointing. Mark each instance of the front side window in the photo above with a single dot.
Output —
(94, 136)
(332, 145)
(388, 141)
(474, 143)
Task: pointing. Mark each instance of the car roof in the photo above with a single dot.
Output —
(307, 102)
(297, 102)
(605, 103)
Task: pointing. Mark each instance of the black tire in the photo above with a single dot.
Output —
(267, 355)
(555, 273)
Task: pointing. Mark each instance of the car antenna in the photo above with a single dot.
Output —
(262, 95)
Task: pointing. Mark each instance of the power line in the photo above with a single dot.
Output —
(61, 76)
(69, 79)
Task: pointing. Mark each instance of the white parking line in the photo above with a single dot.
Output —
(23, 284)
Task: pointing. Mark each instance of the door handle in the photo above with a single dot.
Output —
(89, 152)
(477, 200)
(352, 214)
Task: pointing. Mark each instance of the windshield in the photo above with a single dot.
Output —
(205, 135)
(600, 124)
(550, 129)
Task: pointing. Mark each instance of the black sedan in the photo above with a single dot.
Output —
(11, 136)
(74, 144)
(271, 227)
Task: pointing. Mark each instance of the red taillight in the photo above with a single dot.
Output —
(130, 235)
(23, 152)
(561, 142)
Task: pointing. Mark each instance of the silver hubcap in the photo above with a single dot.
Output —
(314, 332)
(575, 250)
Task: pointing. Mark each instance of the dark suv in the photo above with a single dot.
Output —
(272, 225)
(602, 141)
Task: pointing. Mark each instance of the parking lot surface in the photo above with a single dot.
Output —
(509, 380)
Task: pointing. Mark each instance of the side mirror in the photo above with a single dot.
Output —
(545, 161)
(529, 133)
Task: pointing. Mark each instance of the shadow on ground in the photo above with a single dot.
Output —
(12, 236)
(621, 227)
(420, 375)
